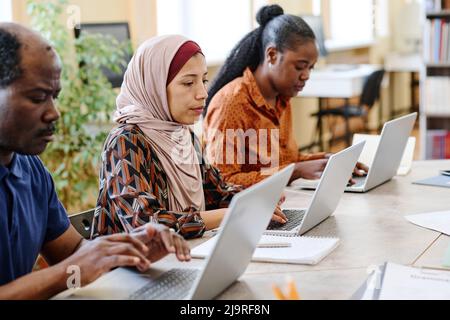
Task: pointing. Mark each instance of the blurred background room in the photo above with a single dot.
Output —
(407, 39)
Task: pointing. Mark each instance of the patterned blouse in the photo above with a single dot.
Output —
(133, 188)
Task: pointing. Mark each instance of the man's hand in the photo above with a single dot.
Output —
(94, 258)
(139, 249)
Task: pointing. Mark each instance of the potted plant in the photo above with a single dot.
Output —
(86, 102)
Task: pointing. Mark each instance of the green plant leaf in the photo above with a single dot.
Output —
(86, 102)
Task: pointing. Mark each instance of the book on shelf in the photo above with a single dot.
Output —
(437, 5)
(437, 95)
(436, 41)
(438, 144)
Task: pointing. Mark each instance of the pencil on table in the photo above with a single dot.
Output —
(277, 292)
(292, 289)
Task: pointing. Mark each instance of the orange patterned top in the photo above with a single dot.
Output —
(240, 105)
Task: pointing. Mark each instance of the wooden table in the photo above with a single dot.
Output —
(372, 230)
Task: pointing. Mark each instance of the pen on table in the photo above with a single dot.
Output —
(274, 245)
(293, 293)
(214, 232)
(278, 293)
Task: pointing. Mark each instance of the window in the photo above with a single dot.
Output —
(382, 18)
(6, 11)
(348, 22)
(316, 7)
(217, 25)
(355, 25)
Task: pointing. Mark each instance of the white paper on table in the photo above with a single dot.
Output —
(371, 288)
(368, 154)
(407, 283)
(437, 221)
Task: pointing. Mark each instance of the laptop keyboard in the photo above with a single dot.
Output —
(295, 218)
(174, 284)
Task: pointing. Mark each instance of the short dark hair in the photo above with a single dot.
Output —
(10, 69)
(285, 31)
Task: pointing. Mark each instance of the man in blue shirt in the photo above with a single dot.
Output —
(32, 220)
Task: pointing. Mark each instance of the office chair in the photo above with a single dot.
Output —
(370, 94)
(82, 222)
(119, 31)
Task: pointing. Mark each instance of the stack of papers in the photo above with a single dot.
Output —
(407, 283)
(397, 282)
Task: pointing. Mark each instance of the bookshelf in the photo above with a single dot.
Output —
(435, 80)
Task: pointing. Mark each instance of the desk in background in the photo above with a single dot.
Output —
(336, 81)
(403, 63)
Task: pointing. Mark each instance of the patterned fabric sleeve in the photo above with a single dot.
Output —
(130, 186)
(218, 193)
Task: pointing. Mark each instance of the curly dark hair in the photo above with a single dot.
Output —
(285, 31)
(10, 69)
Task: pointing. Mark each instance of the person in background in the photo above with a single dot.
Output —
(252, 93)
(153, 168)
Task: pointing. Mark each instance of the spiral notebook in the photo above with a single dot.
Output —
(300, 250)
(400, 282)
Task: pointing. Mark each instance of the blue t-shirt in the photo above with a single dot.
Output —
(30, 215)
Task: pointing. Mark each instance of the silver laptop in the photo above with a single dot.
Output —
(388, 156)
(326, 197)
(247, 217)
